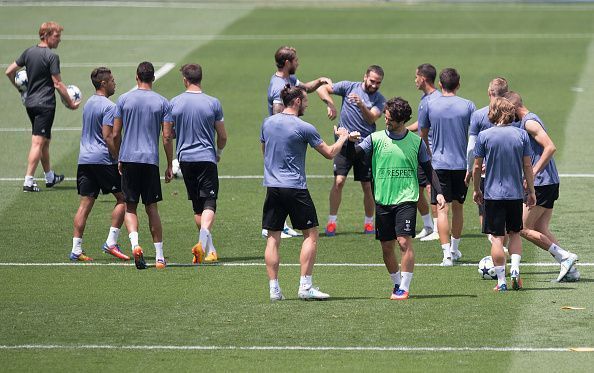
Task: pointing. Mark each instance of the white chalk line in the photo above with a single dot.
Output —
(97, 64)
(290, 348)
(324, 37)
(257, 264)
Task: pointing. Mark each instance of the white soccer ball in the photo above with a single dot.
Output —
(74, 93)
(572, 276)
(486, 269)
(176, 169)
(21, 80)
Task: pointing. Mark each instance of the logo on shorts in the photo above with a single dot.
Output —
(113, 187)
(308, 222)
(212, 193)
(407, 225)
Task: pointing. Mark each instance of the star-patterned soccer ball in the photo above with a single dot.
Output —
(74, 93)
(486, 269)
(21, 80)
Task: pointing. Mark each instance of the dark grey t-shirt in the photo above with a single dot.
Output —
(41, 64)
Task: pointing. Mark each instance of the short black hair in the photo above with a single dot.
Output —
(192, 72)
(427, 71)
(145, 72)
(99, 75)
(449, 79)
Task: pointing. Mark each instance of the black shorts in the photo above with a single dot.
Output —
(141, 180)
(42, 120)
(202, 184)
(296, 203)
(502, 216)
(423, 181)
(452, 186)
(395, 221)
(546, 195)
(361, 167)
(93, 178)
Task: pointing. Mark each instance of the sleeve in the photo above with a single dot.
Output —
(274, 95)
(312, 136)
(262, 133)
(474, 124)
(423, 153)
(379, 103)
(424, 116)
(527, 151)
(54, 64)
(117, 113)
(108, 116)
(434, 180)
(479, 147)
(21, 60)
(294, 81)
(340, 88)
(167, 111)
(218, 112)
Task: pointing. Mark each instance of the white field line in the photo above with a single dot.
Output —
(256, 177)
(322, 37)
(259, 264)
(289, 348)
(97, 64)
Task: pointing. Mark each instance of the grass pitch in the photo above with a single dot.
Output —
(114, 318)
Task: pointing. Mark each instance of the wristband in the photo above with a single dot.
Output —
(219, 152)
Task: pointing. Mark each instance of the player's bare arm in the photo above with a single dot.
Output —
(540, 135)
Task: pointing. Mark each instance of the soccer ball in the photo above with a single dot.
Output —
(21, 80)
(176, 169)
(572, 276)
(486, 269)
(74, 93)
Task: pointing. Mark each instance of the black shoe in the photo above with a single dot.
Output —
(32, 188)
(57, 180)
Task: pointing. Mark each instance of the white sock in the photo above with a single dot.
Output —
(286, 225)
(406, 279)
(332, 218)
(515, 262)
(77, 245)
(133, 239)
(305, 282)
(455, 243)
(49, 176)
(203, 238)
(396, 278)
(369, 220)
(558, 253)
(29, 181)
(211, 248)
(500, 270)
(112, 237)
(446, 251)
(435, 225)
(159, 250)
(274, 287)
(427, 221)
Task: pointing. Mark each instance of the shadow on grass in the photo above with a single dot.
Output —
(547, 288)
(242, 259)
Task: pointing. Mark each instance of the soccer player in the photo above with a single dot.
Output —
(197, 117)
(284, 139)
(97, 166)
(362, 105)
(43, 74)
(143, 114)
(546, 180)
(506, 153)
(395, 154)
(425, 81)
(479, 121)
(287, 62)
(446, 121)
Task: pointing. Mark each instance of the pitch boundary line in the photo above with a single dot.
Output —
(292, 348)
(96, 64)
(257, 264)
(325, 37)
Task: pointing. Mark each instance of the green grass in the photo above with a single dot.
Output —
(228, 305)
